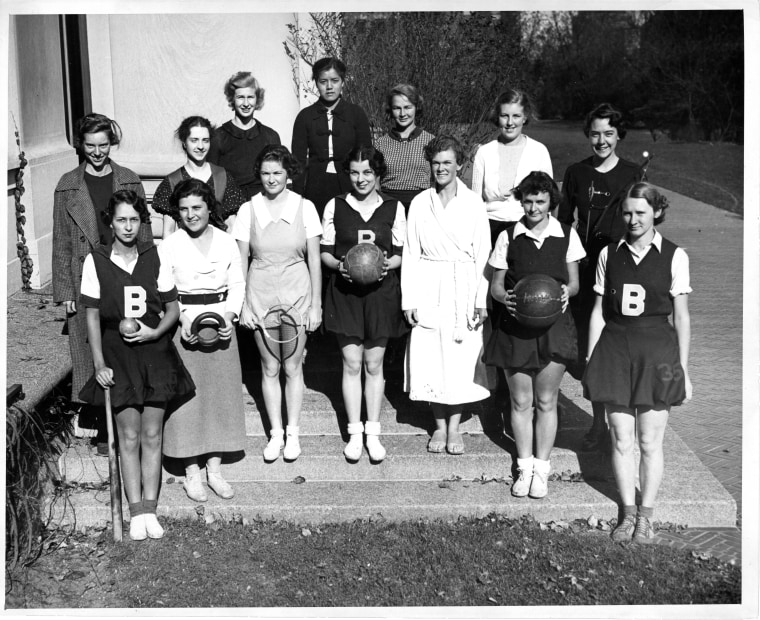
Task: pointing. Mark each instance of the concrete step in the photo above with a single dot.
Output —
(414, 484)
(322, 459)
(348, 500)
(411, 483)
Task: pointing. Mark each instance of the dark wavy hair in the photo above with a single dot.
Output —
(195, 187)
(652, 195)
(374, 158)
(513, 95)
(243, 79)
(411, 93)
(538, 182)
(325, 64)
(95, 123)
(280, 154)
(611, 113)
(183, 131)
(444, 143)
(126, 196)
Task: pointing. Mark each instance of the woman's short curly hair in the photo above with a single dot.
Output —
(611, 113)
(509, 96)
(243, 79)
(371, 155)
(129, 197)
(444, 143)
(538, 182)
(280, 154)
(651, 194)
(95, 123)
(196, 187)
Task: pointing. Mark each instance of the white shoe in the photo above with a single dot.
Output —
(521, 485)
(219, 485)
(193, 486)
(152, 526)
(354, 447)
(374, 447)
(292, 445)
(137, 529)
(274, 446)
(539, 486)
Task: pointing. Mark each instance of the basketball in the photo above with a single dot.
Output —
(364, 263)
(128, 326)
(539, 300)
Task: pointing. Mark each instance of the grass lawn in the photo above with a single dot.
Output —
(470, 562)
(710, 172)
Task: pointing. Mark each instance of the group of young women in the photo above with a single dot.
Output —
(452, 256)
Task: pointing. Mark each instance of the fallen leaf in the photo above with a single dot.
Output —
(305, 532)
(171, 480)
(196, 554)
(299, 480)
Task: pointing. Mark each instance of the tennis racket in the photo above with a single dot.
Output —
(281, 327)
(113, 471)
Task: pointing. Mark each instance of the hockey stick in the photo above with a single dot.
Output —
(113, 470)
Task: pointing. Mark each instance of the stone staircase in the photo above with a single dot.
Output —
(321, 486)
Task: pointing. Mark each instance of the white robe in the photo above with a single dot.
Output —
(443, 278)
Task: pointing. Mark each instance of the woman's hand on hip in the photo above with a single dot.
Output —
(411, 317)
(71, 306)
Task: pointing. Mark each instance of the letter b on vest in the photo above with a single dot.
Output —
(365, 236)
(633, 300)
(134, 301)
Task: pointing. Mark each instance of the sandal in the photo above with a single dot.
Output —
(454, 443)
(437, 443)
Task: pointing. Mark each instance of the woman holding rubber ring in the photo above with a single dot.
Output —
(205, 263)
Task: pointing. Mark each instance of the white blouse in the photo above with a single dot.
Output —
(195, 273)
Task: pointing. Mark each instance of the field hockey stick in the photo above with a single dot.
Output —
(643, 176)
(113, 470)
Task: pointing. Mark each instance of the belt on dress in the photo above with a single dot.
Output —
(202, 299)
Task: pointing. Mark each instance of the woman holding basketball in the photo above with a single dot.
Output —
(280, 232)
(592, 191)
(639, 362)
(363, 317)
(205, 264)
(194, 134)
(142, 370)
(534, 358)
(324, 133)
(444, 289)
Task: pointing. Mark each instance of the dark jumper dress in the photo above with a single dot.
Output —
(366, 312)
(146, 372)
(515, 346)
